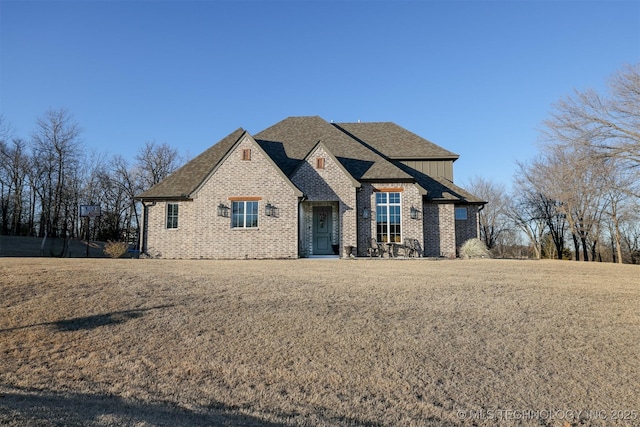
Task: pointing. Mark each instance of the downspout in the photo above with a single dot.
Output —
(478, 222)
(361, 230)
(144, 228)
(300, 225)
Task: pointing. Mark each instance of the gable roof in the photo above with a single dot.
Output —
(247, 136)
(320, 145)
(394, 141)
(182, 183)
(366, 152)
(289, 142)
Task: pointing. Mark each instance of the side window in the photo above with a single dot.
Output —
(244, 214)
(172, 215)
(461, 214)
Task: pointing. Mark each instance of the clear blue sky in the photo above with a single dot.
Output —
(476, 77)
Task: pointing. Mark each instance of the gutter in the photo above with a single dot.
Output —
(182, 197)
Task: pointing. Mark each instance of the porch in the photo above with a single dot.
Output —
(320, 229)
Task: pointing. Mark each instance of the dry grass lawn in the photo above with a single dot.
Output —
(103, 342)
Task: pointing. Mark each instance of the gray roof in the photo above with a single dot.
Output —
(395, 142)
(367, 151)
(441, 189)
(182, 183)
(289, 142)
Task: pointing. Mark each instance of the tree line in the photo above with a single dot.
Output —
(579, 198)
(44, 180)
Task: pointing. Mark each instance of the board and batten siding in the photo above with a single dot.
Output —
(432, 167)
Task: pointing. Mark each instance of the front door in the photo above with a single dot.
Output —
(322, 230)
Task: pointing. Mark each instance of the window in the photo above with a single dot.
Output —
(388, 217)
(461, 214)
(172, 215)
(320, 163)
(244, 214)
(246, 154)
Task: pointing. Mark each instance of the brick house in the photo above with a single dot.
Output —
(305, 187)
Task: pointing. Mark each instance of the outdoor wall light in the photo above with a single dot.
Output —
(270, 210)
(365, 213)
(414, 213)
(223, 210)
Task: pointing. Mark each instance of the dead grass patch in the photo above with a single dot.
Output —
(315, 342)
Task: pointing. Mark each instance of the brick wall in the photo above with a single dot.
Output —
(327, 186)
(439, 230)
(469, 228)
(409, 196)
(203, 234)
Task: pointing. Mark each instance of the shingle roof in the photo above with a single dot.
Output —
(183, 182)
(441, 189)
(395, 142)
(288, 142)
(367, 151)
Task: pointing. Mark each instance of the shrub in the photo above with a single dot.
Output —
(115, 249)
(474, 248)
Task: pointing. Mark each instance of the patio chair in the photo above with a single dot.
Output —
(407, 248)
(375, 248)
(416, 249)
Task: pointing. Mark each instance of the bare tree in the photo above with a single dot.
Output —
(114, 202)
(586, 172)
(630, 233)
(6, 133)
(126, 183)
(619, 185)
(609, 125)
(91, 170)
(578, 186)
(593, 143)
(42, 183)
(492, 218)
(156, 162)
(56, 154)
(537, 183)
(523, 210)
(576, 180)
(14, 164)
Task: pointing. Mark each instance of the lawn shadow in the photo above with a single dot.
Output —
(98, 320)
(32, 407)
(94, 321)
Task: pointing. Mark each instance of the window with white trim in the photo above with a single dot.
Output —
(172, 215)
(388, 208)
(244, 214)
